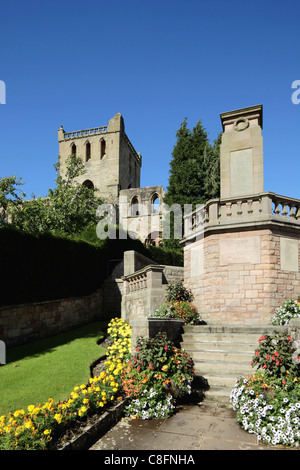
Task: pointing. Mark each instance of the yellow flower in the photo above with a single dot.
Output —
(85, 401)
(58, 417)
(47, 431)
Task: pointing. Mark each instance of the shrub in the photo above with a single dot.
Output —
(181, 310)
(156, 376)
(177, 292)
(268, 402)
(275, 355)
(288, 310)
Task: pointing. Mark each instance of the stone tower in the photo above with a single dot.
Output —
(111, 162)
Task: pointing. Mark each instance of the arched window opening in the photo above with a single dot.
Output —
(155, 204)
(87, 151)
(73, 149)
(102, 148)
(135, 206)
(88, 184)
(154, 239)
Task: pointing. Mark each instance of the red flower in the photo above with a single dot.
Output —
(261, 338)
(284, 382)
(151, 367)
(276, 353)
(256, 353)
(166, 348)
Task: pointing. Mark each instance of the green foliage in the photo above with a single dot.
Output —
(275, 355)
(194, 176)
(194, 172)
(288, 310)
(47, 267)
(181, 310)
(178, 292)
(68, 209)
(269, 407)
(178, 305)
(10, 194)
(156, 375)
(165, 255)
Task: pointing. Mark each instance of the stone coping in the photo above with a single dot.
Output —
(91, 433)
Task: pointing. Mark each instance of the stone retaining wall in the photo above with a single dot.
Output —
(21, 324)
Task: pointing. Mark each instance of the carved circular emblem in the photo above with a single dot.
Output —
(241, 124)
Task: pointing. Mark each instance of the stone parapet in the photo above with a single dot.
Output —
(264, 209)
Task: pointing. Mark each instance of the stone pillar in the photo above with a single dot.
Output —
(241, 152)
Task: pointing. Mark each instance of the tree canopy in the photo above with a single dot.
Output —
(194, 168)
(67, 209)
(194, 171)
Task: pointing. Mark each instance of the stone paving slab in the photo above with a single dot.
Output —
(209, 426)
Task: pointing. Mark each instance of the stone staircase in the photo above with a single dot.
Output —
(221, 354)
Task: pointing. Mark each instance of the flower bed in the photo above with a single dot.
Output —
(288, 310)
(178, 305)
(268, 402)
(155, 377)
(41, 426)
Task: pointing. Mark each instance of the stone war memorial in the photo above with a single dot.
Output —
(241, 252)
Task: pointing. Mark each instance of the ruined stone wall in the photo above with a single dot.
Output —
(113, 163)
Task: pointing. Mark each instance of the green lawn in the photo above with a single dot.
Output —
(49, 368)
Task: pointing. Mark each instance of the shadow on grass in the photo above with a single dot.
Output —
(46, 345)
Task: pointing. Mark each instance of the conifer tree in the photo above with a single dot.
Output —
(194, 170)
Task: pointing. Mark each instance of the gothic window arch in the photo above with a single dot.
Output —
(88, 184)
(134, 206)
(73, 149)
(87, 151)
(155, 203)
(102, 148)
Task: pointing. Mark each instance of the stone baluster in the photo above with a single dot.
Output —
(284, 211)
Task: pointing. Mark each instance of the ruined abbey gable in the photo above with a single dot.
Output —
(113, 167)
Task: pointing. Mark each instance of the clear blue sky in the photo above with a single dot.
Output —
(79, 63)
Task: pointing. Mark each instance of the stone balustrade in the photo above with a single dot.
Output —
(146, 278)
(258, 209)
(85, 132)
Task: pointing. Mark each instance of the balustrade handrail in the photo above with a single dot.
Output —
(143, 272)
(85, 132)
(261, 207)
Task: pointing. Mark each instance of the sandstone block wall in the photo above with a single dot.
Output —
(242, 277)
(21, 324)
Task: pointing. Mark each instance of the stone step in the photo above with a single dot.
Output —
(259, 329)
(221, 355)
(235, 368)
(219, 394)
(219, 346)
(222, 380)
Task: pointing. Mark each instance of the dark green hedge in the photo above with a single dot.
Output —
(43, 267)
